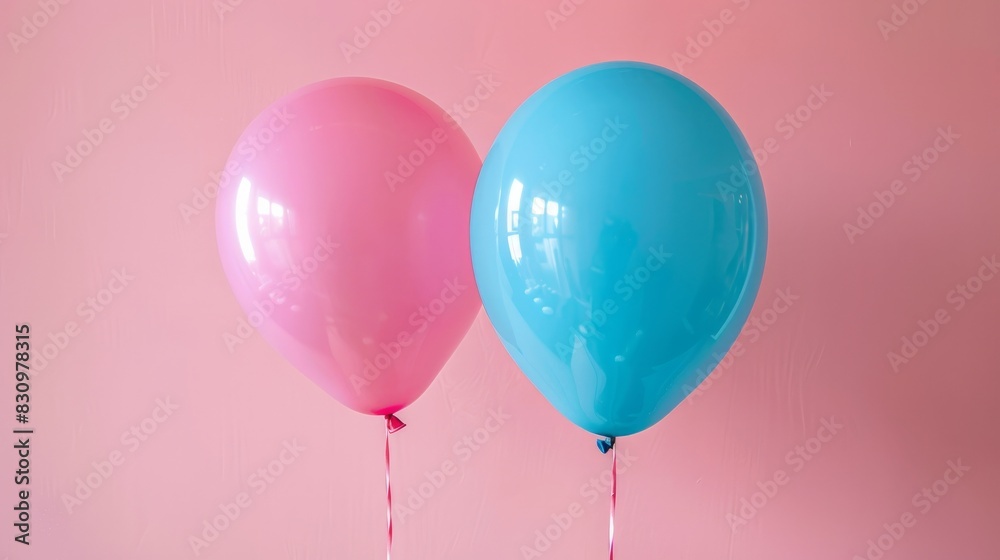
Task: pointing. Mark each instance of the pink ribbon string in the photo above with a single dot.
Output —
(605, 445)
(392, 425)
(614, 498)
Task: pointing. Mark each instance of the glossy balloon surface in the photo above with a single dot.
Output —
(343, 230)
(618, 237)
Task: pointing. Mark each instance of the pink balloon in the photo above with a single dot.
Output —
(344, 233)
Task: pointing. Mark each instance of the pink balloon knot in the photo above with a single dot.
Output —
(393, 424)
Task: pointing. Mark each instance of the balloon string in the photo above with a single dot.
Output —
(614, 498)
(392, 424)
(605, 445)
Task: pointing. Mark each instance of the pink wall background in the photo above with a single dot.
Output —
(158, 336)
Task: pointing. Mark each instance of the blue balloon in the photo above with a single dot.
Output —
(618, 235)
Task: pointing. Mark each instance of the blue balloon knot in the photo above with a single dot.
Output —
(605, 444)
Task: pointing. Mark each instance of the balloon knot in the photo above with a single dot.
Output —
(606, 444)
(393, 424)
